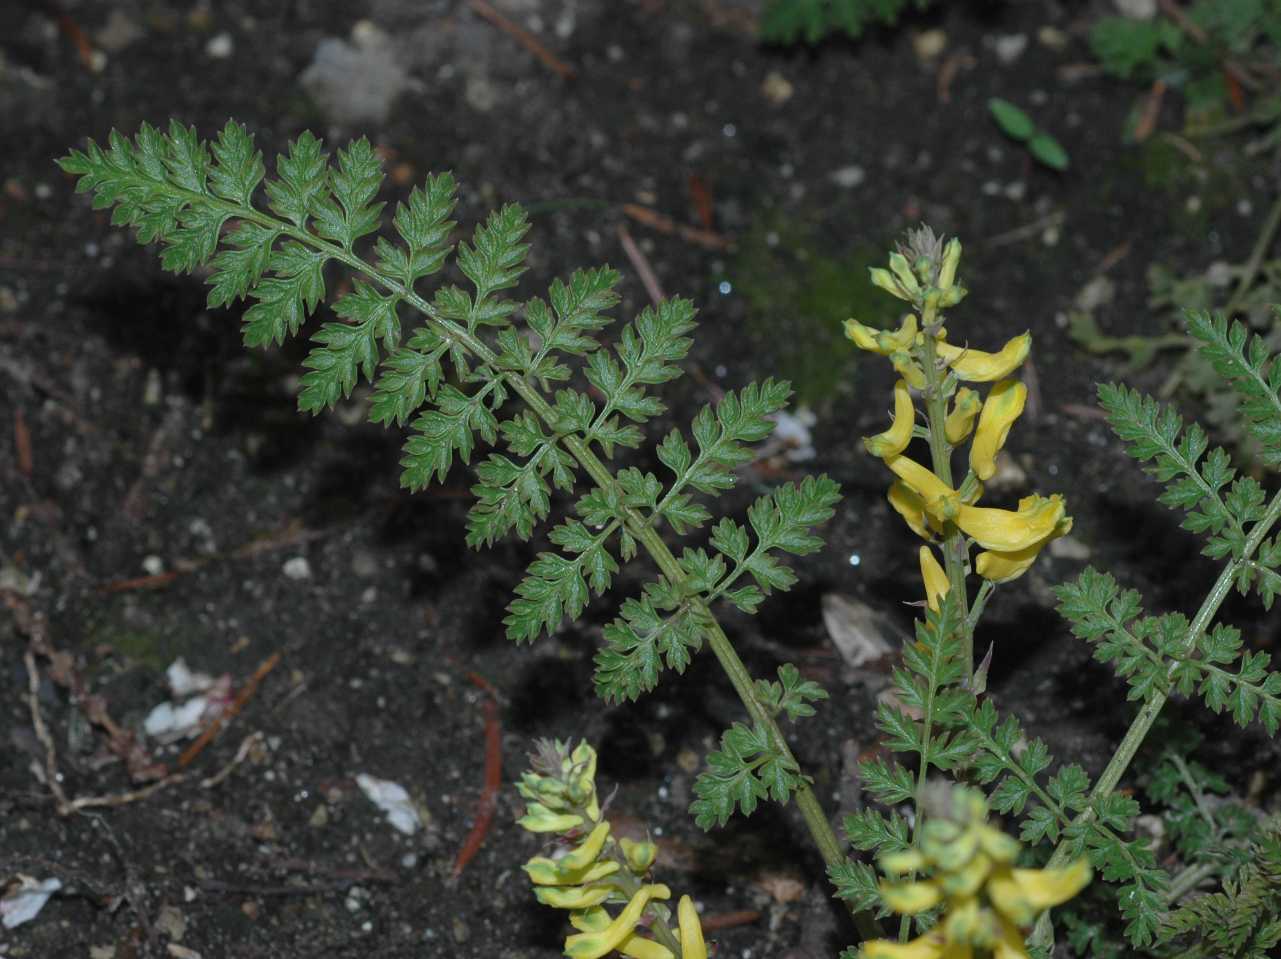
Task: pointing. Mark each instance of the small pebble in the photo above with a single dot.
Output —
(154, 565)
(297, 567)
(777, 88)
(928, 44)
(848, 177)
(220, 46)
(1010, 47)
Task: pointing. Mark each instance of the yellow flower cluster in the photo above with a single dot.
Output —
(969, 871)
(1009, 539)
(593, 870)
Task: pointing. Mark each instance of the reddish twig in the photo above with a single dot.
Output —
(1150, 113)
(524, 38)
(700, 194)
(726, 920)
(22, 443)
(665, 224)
(140, 582)
(72, 31)
(493, 778)
(640, 263)
(230, 713)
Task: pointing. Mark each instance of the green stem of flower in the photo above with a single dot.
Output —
(955, 555)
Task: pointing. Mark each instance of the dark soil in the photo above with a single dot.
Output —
(159, 445)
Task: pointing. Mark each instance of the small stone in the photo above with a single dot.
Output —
(928, 44)
(1136, 9)
(297, 567)
(461, 932)
(153, 565)
(154, 391)
(172, 923)
(1069, 547)
(102, 952)
(1100, 291)
(688, 761)
(220, 46)
(1193, 204)
(480, 93)
(848, 177)
(1052, 38)
(364, 564)
(1009, 47)
(777, 88)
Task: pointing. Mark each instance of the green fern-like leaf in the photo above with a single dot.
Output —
(1252, 370)
(745, 770)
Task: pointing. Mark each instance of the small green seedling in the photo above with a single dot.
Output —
(1017, 125)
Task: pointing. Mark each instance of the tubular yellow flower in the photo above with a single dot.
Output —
(908, 899)
(903, 273)
(908, 368)
(1022, 894)
(1006, 530)
(883, 342)
(951, 258)
(538, 818)
(975, 366)
(593, 945)
(635, 945)
(937, 498)
(550, 872)
(894, 440)
(586, 851)
(911, 507)
(936, 582)
(574, 897)
(692, 944)
(1003, 406)
(1002, 567)
(959, 422)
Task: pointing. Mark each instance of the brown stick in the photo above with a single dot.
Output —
(665, 224)
(493, 778)
(524, 38)
(22, 443)
(230, 713)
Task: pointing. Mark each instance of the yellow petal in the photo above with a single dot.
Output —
(903, 273)
(909, 898)
(593, 945)
(908, 368)
(549, 872)
(1002, 567)
(692, 944)
(896, 863)
(959, 422)
(975, 366)
(1010, 945)
(937, 498)
(883, 342)
(1003, 406)
(951, 258)
(538, 818)
(910, 506)
(1006, 530)
(886, 280)
(928, 946)
(587, 850)
(637, 946)
(936, 581)
(575, 897)
(894, 440)
(864, 337)
(1002, 847)
(1022, 894)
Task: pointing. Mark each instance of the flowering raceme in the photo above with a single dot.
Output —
(590, 871)
(924, 274)
(969, 871)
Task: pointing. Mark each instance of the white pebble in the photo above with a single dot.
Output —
(220, 46)
(297, 567)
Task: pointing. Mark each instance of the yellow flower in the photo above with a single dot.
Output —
(911, 507)
(936, 582)
(635, 945)
(593, 945)
(986, 902)
(908, 368)
(894, 440)
(1001, 566)
(1006, 530)
(1003, 406)
(572, 897)
(960, 421)
(883, 342)
(975, 366)
(951, 258)
(692, 944)
(538, 818)
(937, 498)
